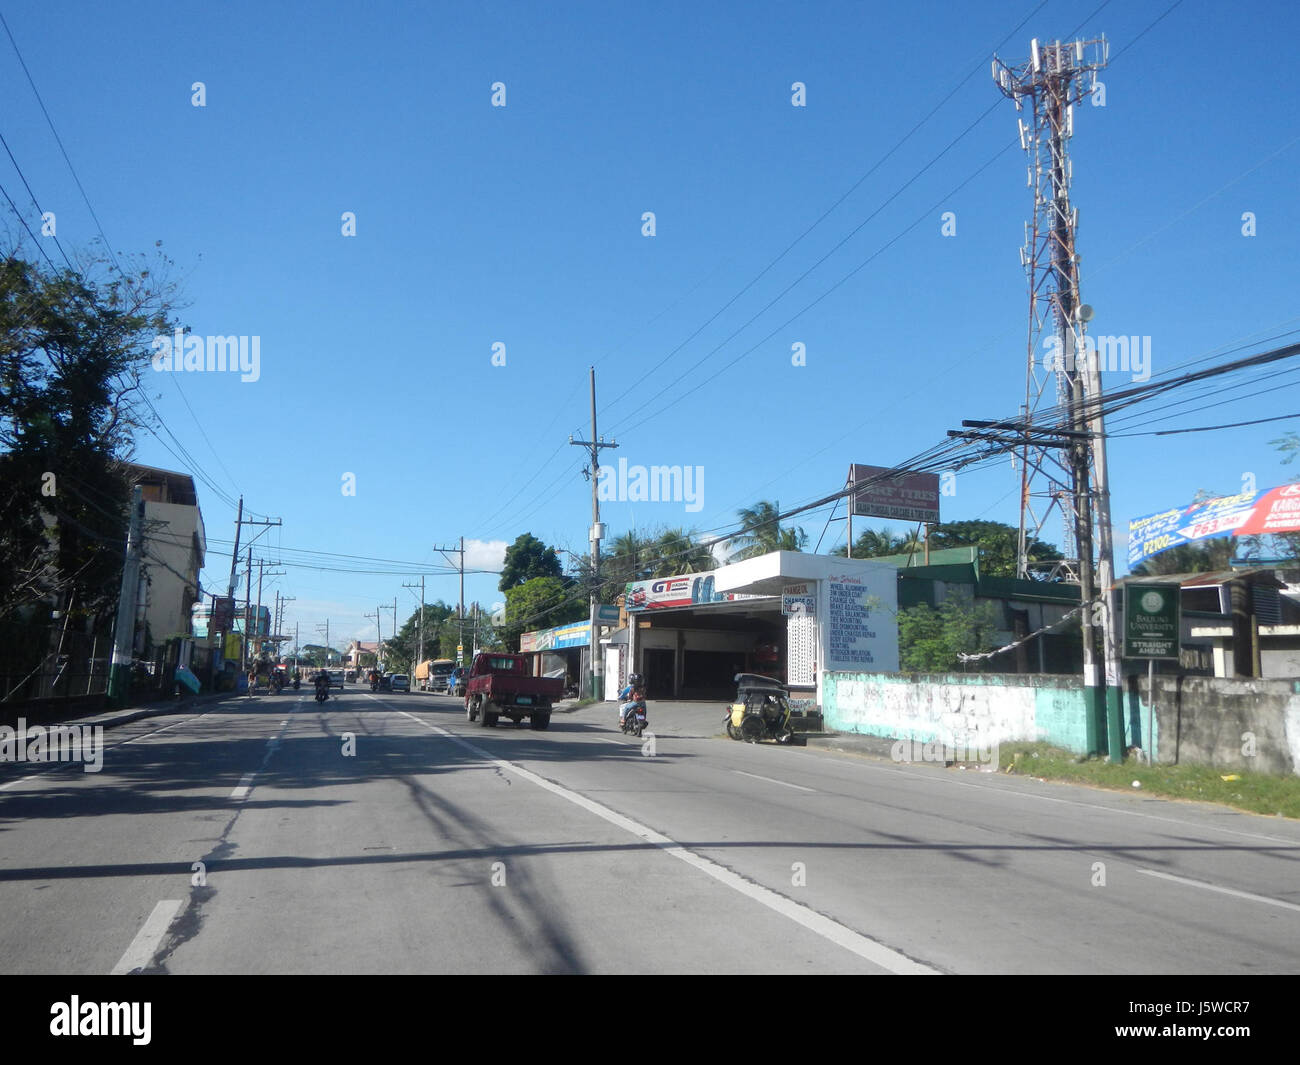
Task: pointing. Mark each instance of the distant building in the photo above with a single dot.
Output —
(175, 544)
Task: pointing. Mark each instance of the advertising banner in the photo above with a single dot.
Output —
(688, 590)
(1260, 513)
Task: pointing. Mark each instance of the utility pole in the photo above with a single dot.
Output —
(248, 608)
(1056, 77)
(240, 522)
(419, 627)
(379, 628)
(460, 606)
(592, 472)
(261, 569)
(119, 677)
(327, 641)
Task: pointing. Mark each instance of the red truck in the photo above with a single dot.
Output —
(500, 685)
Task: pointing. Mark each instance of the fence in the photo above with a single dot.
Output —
(48, 664)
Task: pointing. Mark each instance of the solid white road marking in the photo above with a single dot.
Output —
(1221, 890)
(245, 785)
(146, 941)
(772, 780)
(840, 935)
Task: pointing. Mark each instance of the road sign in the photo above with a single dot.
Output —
(1152, 621)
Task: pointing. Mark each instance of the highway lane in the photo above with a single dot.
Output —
(965, 871)
(440, 846)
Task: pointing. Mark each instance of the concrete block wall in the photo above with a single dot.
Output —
(1239, 723)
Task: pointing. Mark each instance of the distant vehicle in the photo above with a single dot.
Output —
(336, 678)
(399, 682)
(386, 682)
(431, 676)
(350, 676)
(501, 686)
(458, 681)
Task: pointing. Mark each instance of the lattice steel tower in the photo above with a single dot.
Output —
(1055, 78)
(1063, 428)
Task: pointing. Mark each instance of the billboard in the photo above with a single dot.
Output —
(223, 613)
(895, 494)
(687, 590)
(1259, 513)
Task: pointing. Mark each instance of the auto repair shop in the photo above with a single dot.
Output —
(786, 614)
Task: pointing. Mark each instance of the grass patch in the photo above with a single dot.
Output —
(1261, 793)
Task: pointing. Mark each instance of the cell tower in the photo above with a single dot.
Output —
(1056, 77)
(1063, 442)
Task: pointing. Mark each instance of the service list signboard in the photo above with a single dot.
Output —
(861, 636)
(895, 494)
(1152, 621)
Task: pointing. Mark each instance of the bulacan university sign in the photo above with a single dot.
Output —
(1152, 620)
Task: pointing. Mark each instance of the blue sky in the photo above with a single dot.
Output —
(522, 225)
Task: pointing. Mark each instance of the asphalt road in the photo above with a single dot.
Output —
(386, 834)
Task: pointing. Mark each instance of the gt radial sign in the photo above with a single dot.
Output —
(895, 494)
(1152, 621)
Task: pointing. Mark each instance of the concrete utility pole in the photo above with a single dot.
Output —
(248, 609)
(460, 606)
(119, 677)
(597, 534)
(1056, 77)
(419, 625)
(240, 522)
(326, 634)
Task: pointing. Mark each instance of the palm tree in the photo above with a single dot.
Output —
(761, 532)
(677, 552)
(874, 543)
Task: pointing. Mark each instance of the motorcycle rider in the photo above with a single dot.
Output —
(634, 693)
(323, 682)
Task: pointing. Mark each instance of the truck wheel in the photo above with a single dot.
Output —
(471, 709)
(542, 721)
(490, 716)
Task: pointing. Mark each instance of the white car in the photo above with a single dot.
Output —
(400, 682)
(336, 679)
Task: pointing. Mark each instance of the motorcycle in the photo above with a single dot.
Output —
(322, 690)
(634, 720)
(761, 710)
(297, 683)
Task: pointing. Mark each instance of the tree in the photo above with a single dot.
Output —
(541, 603)
(761, 532)
(929, 640)
(74, 348)
(403, 648)
(527, 558)
(999, 545)
(1208, 557)
(676, 551)
(873, 543)
(640, 556)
